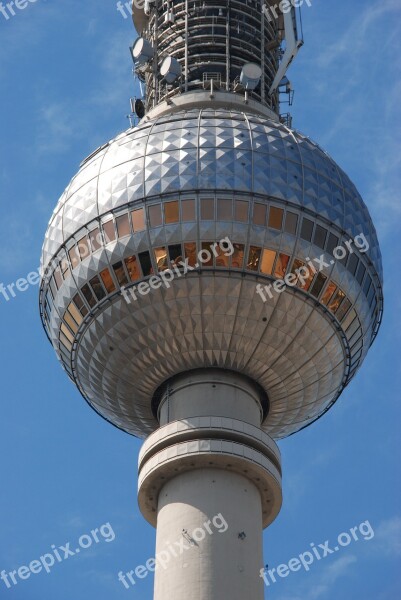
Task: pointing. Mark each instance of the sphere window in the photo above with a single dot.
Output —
(222, 259)
(291, 223)
(224, 210)
(65, 267)
(83, 247)
(281, 266)
(146, 263)
(320, 236)
(88, 295)
(353, 264)
(241, 211)
(276, 218)
(123, 226)
(259, 214)
(138, 220)
(349, 319)
(237, 259)
(190, 253)
(268, 258)
(109, 231)
(206, 254)
(353, 328)
(65, 341)
(65, 347)
(67, 333)
(254, 258)
(318, 285)
(307, 229)
(329, 293)
(161, 258)
(171, 212)
(361, 273)
(53, 289)
(357, 346)
(155, 215)
(207, 209)
(335, 302)
(367, 285)
(57, 278)
(95, 239)
(332, 243)
(120, 273)
(344, 308)
(70, 322)
(47, 308)
(354, 340)
(97, 288)
(371, 295)
(80, 305)
(356, 359)
(133, 268)
(175, 254)
(74, 312)
(107, 281)
(73, 254)
(304, 282)
(188, 210)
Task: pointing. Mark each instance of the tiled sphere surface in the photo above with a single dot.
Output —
(302, 347)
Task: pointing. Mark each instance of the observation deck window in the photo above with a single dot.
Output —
(188, 210)
(268, 258)
(291, 223)
(276, 218)
(138, 219)
(171, 212)
(241, 211)
(281, 266)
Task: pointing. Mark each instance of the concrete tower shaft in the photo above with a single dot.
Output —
(210, 458)
(208, 42)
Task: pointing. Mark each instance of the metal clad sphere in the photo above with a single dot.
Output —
(293, 344)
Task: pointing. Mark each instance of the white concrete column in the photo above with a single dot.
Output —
(210, 481)
(223, 564)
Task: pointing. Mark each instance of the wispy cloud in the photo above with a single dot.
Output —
(339, 568)
(359, 69)
(76, 522)
(388, 538)
(355, 41)
(319, 587)
(62, 121)
(57, 126)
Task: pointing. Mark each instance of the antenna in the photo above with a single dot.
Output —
(137, 111)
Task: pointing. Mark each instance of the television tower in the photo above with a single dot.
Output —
(167, 291)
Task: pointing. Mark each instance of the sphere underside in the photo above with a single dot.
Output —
(171, 188)
(211, 320)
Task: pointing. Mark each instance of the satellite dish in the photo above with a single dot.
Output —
(139, 109)
(250, 76)
(142, 51)
(170, 69)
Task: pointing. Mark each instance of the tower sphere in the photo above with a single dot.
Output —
(171, 190)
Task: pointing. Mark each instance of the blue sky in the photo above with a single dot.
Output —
(65, 76)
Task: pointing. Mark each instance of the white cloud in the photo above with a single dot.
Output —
(338, 569)
(388, 538)
(320, 586)
(58, 127)
(358, 68)
(76, 522)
